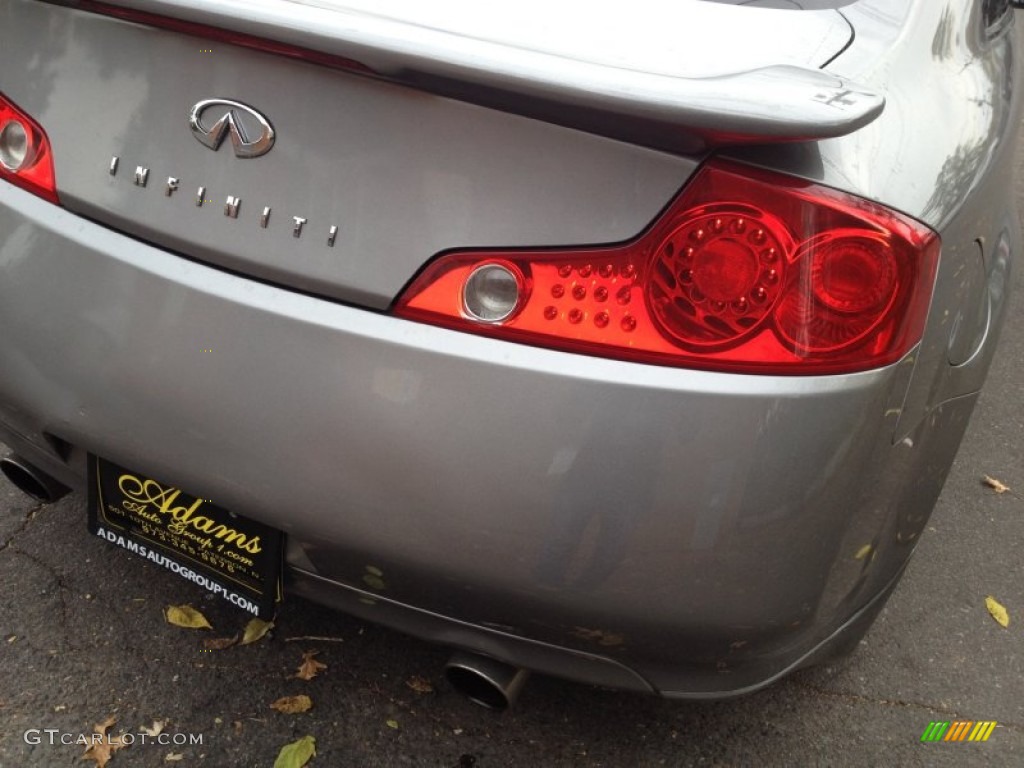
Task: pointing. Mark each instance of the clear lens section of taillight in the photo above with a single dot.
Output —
(25, 156)
(747, 270)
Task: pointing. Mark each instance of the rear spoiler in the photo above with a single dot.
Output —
(782, 103)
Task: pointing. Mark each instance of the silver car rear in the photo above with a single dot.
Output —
(250, 194)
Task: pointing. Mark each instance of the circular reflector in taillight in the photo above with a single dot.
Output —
(853, 271)
(16, 146)
(848, 280)
(718, 275)
(492, 292)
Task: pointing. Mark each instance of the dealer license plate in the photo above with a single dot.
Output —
(229, 555)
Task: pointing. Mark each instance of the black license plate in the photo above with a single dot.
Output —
(229, 555)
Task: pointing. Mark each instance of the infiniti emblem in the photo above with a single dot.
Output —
(232, 118)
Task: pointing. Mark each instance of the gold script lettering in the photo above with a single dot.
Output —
(150, 492)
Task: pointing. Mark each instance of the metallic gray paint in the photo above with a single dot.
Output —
(953, 174)
(637, 526)
(377, 431)
(402, 174)
(653, 61)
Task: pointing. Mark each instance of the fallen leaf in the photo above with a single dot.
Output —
(863, 552)
(154, 730)
(373, 581)
(219, 643)
(255, 630)
(174, 757)
(310, 667)
(419, 684)
(100, 752)
(392, 724)
(586, 634)
(995, 485)
(998, 611)
(292, 705)
(296, 754)
(185, 616)
(599, 635)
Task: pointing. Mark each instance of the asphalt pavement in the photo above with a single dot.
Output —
(83, 639)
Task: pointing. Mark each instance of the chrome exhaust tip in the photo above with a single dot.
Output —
(31, 480)
(485, 681)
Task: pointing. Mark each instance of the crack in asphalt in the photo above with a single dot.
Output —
(858, 697)
(29, 516)
(62, 589)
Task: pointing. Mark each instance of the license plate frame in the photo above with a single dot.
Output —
(234, 557)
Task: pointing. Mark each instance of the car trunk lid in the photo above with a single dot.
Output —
(153, 127)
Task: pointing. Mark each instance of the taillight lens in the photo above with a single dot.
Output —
(25, 157)
(747, 270)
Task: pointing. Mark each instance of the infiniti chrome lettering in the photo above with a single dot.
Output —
(232, 203)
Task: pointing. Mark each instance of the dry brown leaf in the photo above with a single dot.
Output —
(310, 667)
(255, 630)
(219, 643)
(100, 752)
(419, 684)
(293, 705)
(998, 611)
(185, 616)
(600, 636)
(996, 485)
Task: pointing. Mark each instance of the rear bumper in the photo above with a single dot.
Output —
(642, 527)
(595, 668)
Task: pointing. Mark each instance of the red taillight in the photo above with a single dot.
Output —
(747, 271)
(716, 278)
(25, 157)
